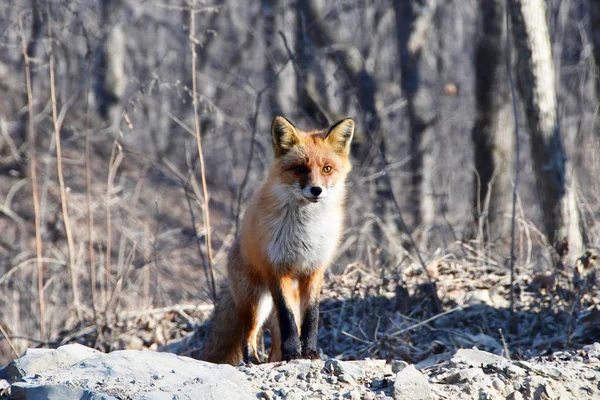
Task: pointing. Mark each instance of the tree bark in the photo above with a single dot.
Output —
(536, 84)
(37, 30)
(492, 137)
(413, 20)
(309, 100)
(281, 88)
(595, 23)
(349, 58)
(110, 76)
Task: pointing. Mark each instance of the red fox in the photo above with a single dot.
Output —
(289, 235)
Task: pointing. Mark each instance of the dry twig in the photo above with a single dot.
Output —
(34, 185)
(10, 343)
(207, 228)
(61, 179)
(115, 160)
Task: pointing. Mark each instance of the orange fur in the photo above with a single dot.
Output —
(289, 234)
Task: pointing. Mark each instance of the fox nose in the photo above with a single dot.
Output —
(316, 190)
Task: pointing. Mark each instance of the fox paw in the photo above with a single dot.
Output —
(311, 354)
(290, 355)
(290, 351)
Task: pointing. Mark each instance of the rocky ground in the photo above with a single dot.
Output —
(78, 372)
(382, 335)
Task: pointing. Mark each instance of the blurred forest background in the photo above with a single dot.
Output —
(102, 201)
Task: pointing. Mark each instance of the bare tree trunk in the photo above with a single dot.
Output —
(348, 57)
(595, 22)
(110, 77)
(492, 139)
(37, 30)
(281, 88)
(369, 147)
(537, 88)
(309, 100)
(413, 20)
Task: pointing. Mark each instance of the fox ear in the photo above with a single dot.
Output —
(284, 135)
(340, 136)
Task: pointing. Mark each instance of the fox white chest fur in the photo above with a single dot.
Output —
(304, 235)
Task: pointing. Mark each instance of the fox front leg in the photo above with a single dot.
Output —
(310, 291)
(286, 302)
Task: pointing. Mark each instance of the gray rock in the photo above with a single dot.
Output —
(550, 371)
(353, 394)
(476, 358)
(368, 364)
(412, 385)
(346, 379)
(464, 375)
(593, 350)
(342, 367)
(516, 395)
(133, 374)
(498, 385)
(27, 391)
(514, 372)
(34, 361)
(398, 365)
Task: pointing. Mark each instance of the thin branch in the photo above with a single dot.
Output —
(48, 343)
(115, 159)
(425, 322)
(207, 227)
(10, 343)
(34, 185)
(61, 179)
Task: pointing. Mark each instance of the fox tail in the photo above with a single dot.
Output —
(223, 344)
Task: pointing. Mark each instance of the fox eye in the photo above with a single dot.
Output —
(327, 169)
(301, 169)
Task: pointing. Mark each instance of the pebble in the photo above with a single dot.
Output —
(346, 379)
(267, 395)
(516, 395)
(279, 377)
(338, 367)
(514, 372)
(398, 365)
(377, 384)
(498, 385)
(352, 394)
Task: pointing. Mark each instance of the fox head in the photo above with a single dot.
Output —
(311, 166)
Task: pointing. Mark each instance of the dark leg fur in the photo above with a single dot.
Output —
(290, 343)
(308, 338)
